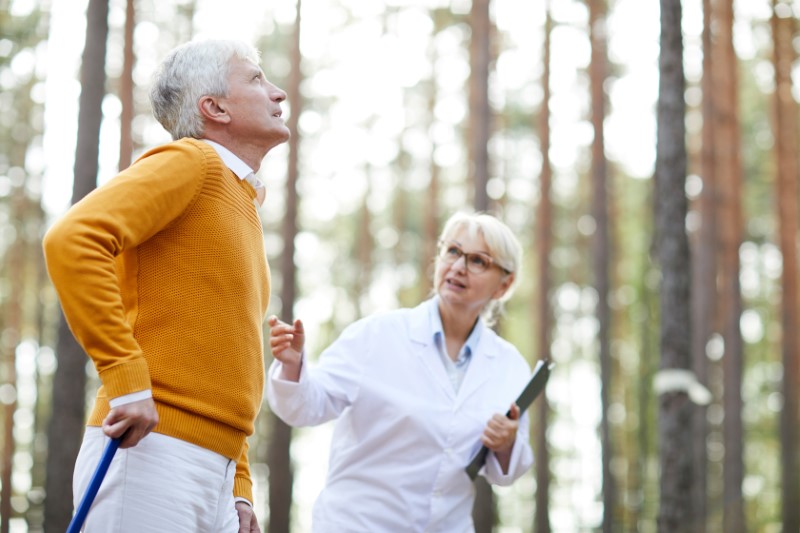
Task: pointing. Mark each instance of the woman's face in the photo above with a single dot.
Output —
(466, 275)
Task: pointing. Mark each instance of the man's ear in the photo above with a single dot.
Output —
(212, 109)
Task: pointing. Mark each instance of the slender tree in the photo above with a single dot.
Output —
(601, 244)
(704, 276)
(729, 173)
(480, 113)
(675, 408)
(126, 89)
(785, 133)
(430, 221)
(69, 381)
(18, 128)
(12, 322)
(544, 223)
(281, 475)
(479, 132)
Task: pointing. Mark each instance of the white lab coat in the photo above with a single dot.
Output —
(403, 435)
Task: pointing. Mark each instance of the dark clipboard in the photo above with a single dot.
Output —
(541, 373)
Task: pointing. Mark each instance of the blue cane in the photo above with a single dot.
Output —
(94, 485)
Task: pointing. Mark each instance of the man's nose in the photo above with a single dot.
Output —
(277, 94)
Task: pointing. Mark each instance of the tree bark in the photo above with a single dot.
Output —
(785, 151)
(479, 131)
(12, 322)
(480, 113)
(673, 254)
(69, 383)
(544, 221)
(601, 244)
(430, 222)
(126, 89)
(729, 172)
(281, 475)
(704, 276)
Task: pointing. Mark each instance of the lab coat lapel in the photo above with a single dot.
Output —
(422, 339)
(479, 370)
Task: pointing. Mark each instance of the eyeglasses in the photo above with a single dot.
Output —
(476, 262)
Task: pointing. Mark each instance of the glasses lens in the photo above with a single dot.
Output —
(450, 252)
(478, 263)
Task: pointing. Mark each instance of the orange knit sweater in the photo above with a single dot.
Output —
(163, 280)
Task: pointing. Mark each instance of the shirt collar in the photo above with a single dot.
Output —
(437, 330)
(231, 160)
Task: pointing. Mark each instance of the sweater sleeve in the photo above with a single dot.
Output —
(242, 482)
(81, 249)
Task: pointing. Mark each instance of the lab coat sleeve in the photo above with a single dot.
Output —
(324, 391)
(521, 459)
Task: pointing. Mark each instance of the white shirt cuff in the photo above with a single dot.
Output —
(130, 398)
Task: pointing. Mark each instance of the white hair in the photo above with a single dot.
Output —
(189, 72)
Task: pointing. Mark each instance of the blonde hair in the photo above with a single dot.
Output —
(503, 245)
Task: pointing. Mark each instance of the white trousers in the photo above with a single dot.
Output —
(162, 484)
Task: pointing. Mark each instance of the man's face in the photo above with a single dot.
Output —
(253, 104)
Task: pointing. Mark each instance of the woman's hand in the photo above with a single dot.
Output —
(286, 343)
(500, 434)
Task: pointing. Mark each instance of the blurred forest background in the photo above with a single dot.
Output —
(645, 153)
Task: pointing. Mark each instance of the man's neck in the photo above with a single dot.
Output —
(251, 155)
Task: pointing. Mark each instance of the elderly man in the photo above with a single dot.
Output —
(164, 282)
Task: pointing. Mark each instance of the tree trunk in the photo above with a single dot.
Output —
(785, 134)
(12, 322)
(729, 172)
(430, 222)
(480, 114)
(601, 244)
(479, 130)
(673, 254)
(126, 90)
(544, 222)
(69, 382)
(281, 476)
(704, 278)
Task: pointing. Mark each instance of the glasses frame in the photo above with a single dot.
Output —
(444, 256)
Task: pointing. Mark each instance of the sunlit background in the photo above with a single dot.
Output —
(362, 60)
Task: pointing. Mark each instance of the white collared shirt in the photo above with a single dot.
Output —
(240, 168)
(231, 160)
(456, 370)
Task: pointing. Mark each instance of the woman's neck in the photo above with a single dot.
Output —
(456, 324)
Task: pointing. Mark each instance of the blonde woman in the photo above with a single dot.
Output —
(415, 392)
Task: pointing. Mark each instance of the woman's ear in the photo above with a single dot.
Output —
(213, 109)
(505, 283)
